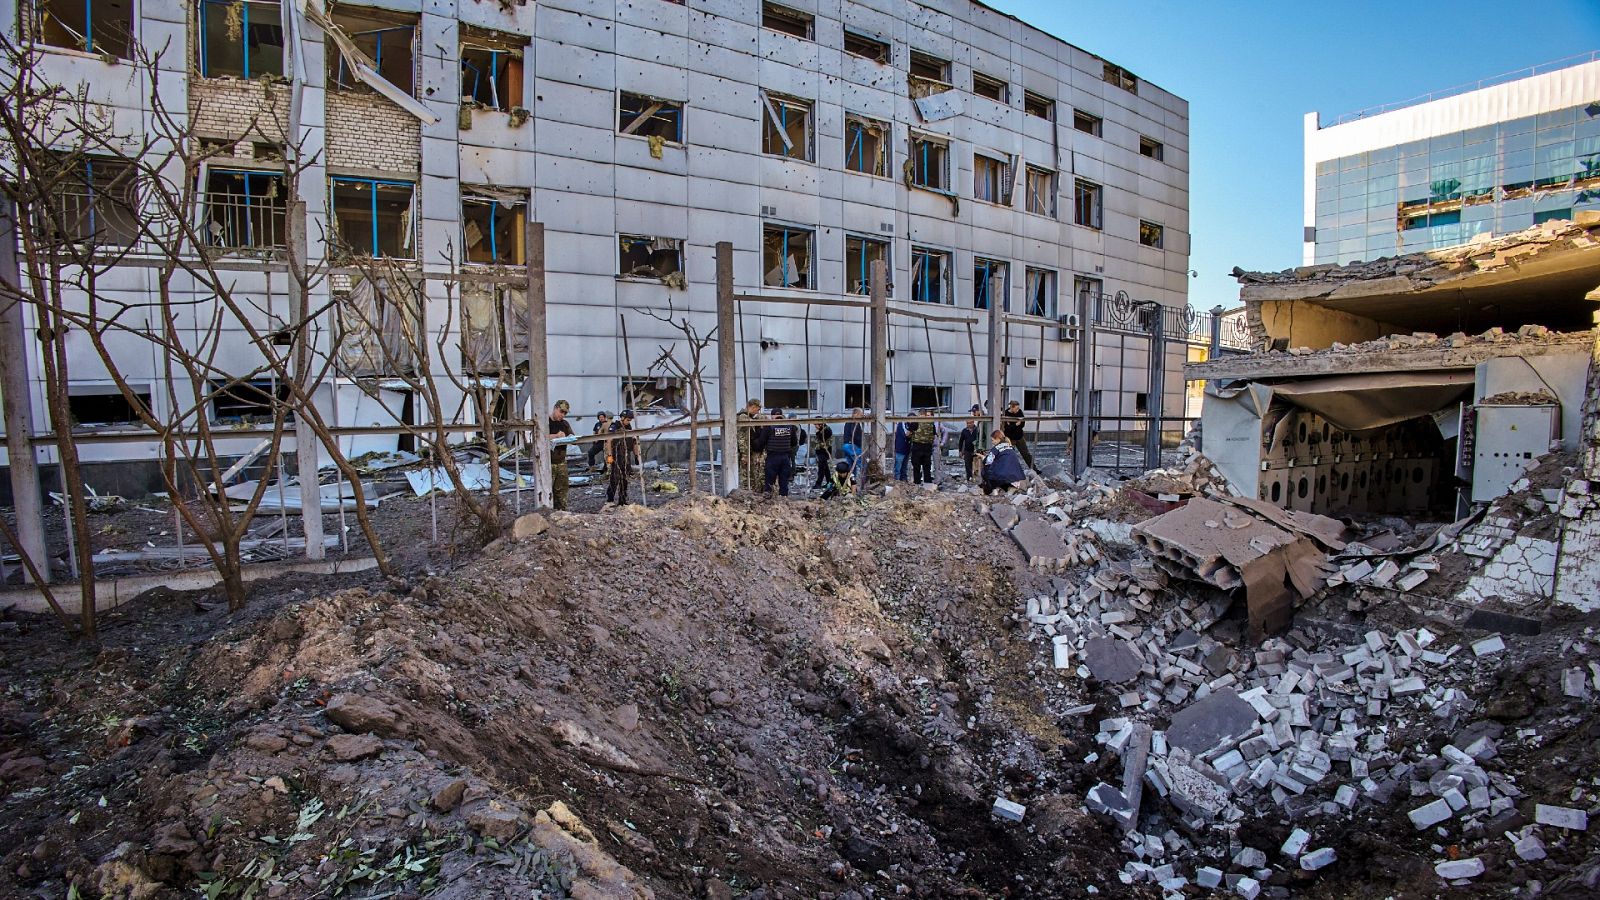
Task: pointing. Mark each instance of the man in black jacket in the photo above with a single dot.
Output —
(1014, 422)
(821, 452)
(778, 442)
(967, 443)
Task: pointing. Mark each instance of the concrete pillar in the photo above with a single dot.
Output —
(1085, 381)
(538, 362)
(880, 363)
(17, 397)
(727, 387)
(997, 366)
(308, 459)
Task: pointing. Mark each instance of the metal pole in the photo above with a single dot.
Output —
(305, 441)
(17, 399)
(880, 363)
(727, 399)
(1215, 348)
(997, 314)
(1081, 458)
(1158, 353)
(538, 365)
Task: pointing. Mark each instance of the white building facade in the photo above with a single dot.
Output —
(983, 159)
(1439, 172)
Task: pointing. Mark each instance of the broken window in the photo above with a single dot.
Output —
(103, 405)
(245, 210)
(1122, 78)
(798, 399)
(96, 201)
(242, 38)
(995, 89)
(786, 129)
(930, 396)
(786, 256)
(859, 255)
(242, 402)
(786, 20)
(491, 68)
(929, 67)
(1041, 293)
(649, 257)
(857, 395)
(650, 117)
(1041, 191)
(387, 39)
(379, 321)
(1039, 401)
(373, 216)
(930, 163)
(1085, 122)
(93, 26)
(867, 47)
(866, 145)
(930, 275)
(492, 225)
(988, 283)
(1151, 234)
(1141, 404)
(989, 177)
(1038, 105)
(653, 394)
(1086, 204)
(1152, 148)
(494, 327)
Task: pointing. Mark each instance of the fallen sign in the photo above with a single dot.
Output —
(1274, 555)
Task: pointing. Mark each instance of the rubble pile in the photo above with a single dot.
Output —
(1427, 340)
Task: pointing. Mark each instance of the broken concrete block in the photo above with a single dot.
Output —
(1250, 858)
(1529, 848)
(1317, 859)
(1430, 814)
(1248, 888)
(1207, 877)
(1575, 683)
(1203, 724)
(1488, 646)
(1561, 817)
(1111, 660)
(1452, 869)
(1006, 809)
(1411, 580)
(1296, 843)
(1005, 516)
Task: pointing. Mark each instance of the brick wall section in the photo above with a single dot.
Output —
(235, 109)
(366, 131)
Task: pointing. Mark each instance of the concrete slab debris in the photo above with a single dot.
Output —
(1452, 869)
(1111, 660)
(1207, 722)
(1319, 858)
(1008, 810)
(1561, 817)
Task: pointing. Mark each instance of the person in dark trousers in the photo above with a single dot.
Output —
(559, 427)
(902, 449)
(778, 441)
(602, 424)
(840, 483)
(967, 443)
(1015, 424)
(1002, 465)
(622, 451)
(821, 452)
(854, 448)
(922, 440)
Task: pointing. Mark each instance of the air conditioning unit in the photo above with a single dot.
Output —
(1070, 324)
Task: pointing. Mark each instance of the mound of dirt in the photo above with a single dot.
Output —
(708, 700)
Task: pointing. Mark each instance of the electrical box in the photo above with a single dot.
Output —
(1507, 441)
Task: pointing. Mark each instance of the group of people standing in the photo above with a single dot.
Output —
(621, 451)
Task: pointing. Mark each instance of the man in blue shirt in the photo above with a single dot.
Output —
(902, 449)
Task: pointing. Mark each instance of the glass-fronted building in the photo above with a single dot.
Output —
(1440, 172)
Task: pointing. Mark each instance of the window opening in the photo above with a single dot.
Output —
(866, 145)
(930, 163)
(650, 117)
(639, 256)
(385, 40)
(93, 26)
(988, 283)
(995, 89)
(1041, 191)
(867, 47)
(789, 21)
(786, 131)
(654, 394)
(857, 395)
(492, 225)
(1041, 292)
(1151, 234)
(859, 255)
(989, 177)
(373, 216)
(491, 69)
(786, 256)
(1141, 404)
(930, 396)
(798, 399)
(1038, 105)
(930, 275)
(96, 202)
(257, 400)
(1039, 401)
(93, 406)
(245, 209)
(1086, 122)
(929, 75)
(1087, 204)
(1122, 78)
(1152, 148)
(242, 38)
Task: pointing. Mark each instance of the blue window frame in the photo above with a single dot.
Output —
(93, 26)
(390, 47)
(866, 146)
(243, 39)
(786, 256)
(930, 163)
(245, 209)
(373, 216)
(491, 76)
(491, 230)
(859, 255)
(930, 275)
(988, 282)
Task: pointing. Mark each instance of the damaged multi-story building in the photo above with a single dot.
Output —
(983, 160)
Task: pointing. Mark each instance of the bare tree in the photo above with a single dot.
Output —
(692, 375)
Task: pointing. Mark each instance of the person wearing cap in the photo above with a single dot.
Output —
(602, 424)
(622, 452)
(750, 472)
(1014, 421)
(777, 442)
(967, 444)
(559, 427)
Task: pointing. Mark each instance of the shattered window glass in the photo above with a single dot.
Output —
(859, 255)
(93, 26)
(786, 256)
(786, 127)
(492, 226)
(639, 256)
(242, 38)
(866, 145)
(650, 117)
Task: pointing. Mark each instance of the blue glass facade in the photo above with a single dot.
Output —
(1443, 191)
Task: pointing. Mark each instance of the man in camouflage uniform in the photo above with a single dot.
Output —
(559, 427)
(751, 469)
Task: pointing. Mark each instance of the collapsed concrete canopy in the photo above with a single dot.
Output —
(1371, 400)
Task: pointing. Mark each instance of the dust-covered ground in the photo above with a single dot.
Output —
(710, 698)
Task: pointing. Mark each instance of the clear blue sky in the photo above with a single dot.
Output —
(1252, 70)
